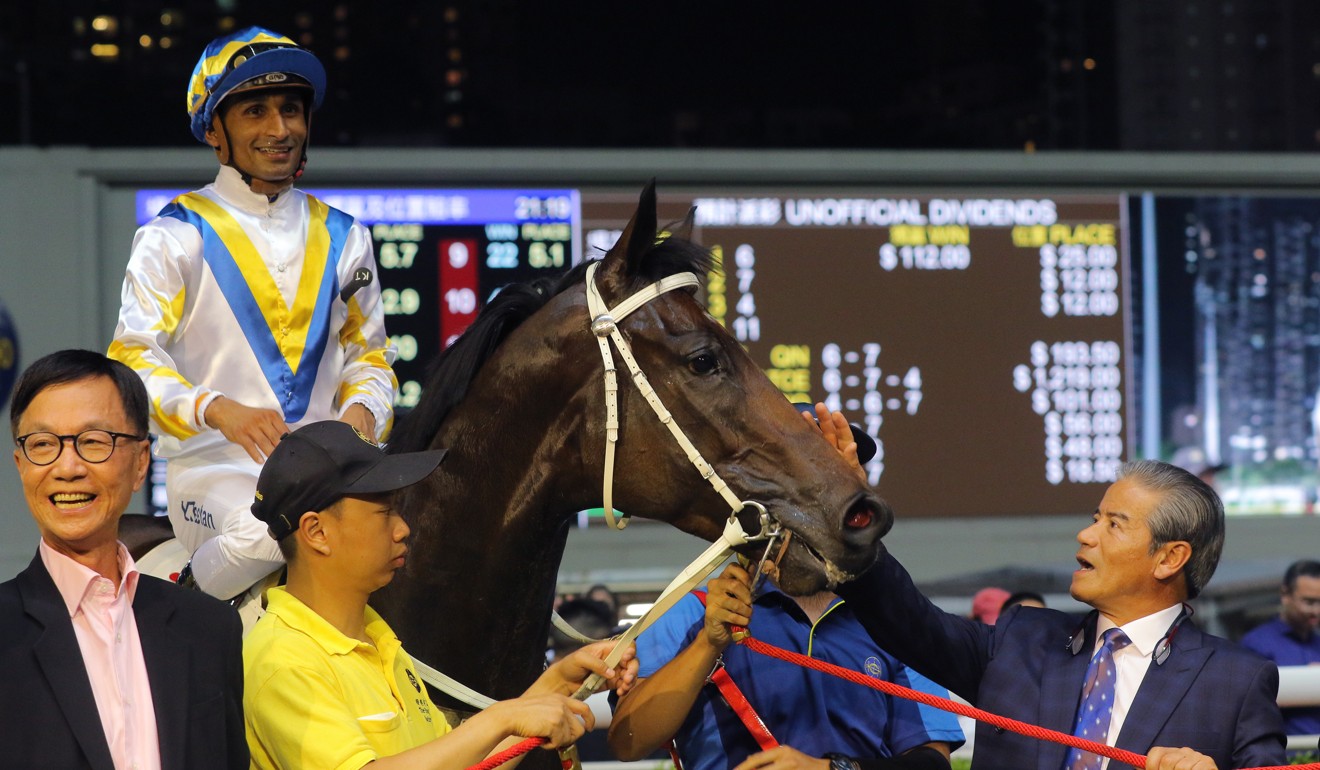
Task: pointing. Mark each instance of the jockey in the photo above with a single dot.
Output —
(249, 307)
(251, 60)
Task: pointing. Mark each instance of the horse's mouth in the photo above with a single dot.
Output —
(806, 569)
(834, 575)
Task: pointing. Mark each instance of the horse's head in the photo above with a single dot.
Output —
(735, 417)
(520, 400)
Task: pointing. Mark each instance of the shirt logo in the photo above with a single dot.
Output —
(874, 667)
(412, 680)
(193, 513)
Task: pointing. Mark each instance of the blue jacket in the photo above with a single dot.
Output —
(1209, 694)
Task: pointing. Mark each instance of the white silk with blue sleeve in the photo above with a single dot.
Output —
(229, 293)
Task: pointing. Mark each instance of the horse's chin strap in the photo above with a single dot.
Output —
(605, 325)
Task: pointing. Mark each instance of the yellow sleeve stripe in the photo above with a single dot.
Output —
(351, 332)
(170, 312)
(132, 356)
(169, 423)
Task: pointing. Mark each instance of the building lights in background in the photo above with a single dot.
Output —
(108, 51)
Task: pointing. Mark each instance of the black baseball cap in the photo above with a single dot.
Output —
(315, 466)
(866, 445)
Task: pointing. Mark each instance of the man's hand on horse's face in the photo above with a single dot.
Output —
(834, 427)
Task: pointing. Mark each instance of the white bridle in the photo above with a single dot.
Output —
(605, 325)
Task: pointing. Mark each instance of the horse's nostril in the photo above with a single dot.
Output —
(866, 520)
(859, 518)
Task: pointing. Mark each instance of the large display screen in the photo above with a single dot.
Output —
(981, 340)
(1007, 350)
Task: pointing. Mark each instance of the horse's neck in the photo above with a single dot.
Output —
(484, 562)
(475, 599)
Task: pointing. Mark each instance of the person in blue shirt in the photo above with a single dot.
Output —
(821, 722)
(1291, 639)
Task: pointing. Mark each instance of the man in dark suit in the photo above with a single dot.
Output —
(103, 667)
(1189, 700)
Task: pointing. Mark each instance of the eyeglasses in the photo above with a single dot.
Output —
(93, 446)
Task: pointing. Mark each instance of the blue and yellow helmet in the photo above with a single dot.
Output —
(238, 59)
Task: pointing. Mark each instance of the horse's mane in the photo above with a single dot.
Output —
(451, 373)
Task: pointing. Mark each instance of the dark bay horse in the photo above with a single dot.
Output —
(519, 402)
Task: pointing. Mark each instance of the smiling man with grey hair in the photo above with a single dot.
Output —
(1136, 673)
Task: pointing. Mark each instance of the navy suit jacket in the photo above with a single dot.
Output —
(1209, 694)
(193, 650)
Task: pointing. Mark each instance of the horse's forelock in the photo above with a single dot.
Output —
(673, 254)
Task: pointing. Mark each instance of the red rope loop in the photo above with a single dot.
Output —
(1034, 731)
(516, 750)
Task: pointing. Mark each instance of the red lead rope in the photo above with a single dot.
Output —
(516, 750)
(889, 688)
(1136, 760)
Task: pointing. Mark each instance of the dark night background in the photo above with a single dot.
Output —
(1021, 75)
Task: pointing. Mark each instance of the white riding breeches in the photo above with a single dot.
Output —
(210, 510)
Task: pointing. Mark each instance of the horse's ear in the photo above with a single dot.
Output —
(683, 228)
(639, 236)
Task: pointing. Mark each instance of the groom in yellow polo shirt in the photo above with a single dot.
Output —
(328, 684)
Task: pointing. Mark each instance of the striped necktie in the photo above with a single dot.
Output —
(1097, 704)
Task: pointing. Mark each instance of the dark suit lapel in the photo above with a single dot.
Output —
(1060, 692)
(1162, 690)
(61, 662)
(168, 660)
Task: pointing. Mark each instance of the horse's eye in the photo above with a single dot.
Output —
(704, 364)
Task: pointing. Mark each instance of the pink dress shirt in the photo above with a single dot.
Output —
(102, 616)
